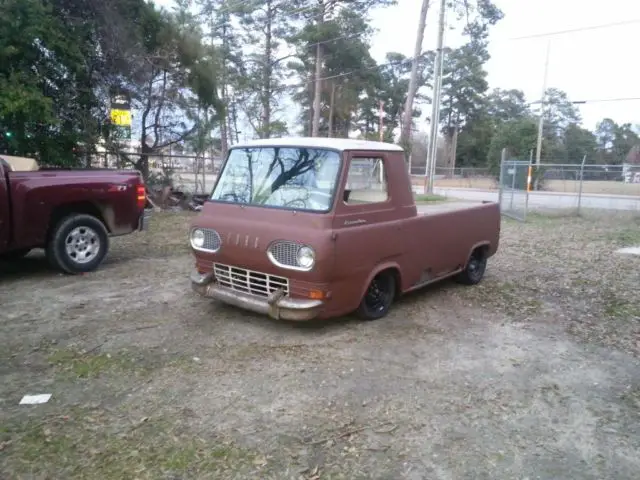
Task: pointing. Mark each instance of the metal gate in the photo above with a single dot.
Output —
(515, 180)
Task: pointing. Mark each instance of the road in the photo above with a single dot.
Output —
(544, 199)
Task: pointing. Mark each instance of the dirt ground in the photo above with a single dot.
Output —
(534, 373)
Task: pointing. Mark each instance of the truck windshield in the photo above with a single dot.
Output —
(291, 178)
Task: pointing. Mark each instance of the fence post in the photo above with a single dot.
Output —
(503, 156)
(528, 189)
(584, 159)
(513, 185)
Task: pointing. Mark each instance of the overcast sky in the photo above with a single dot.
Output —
(589, 65)
(593, 64)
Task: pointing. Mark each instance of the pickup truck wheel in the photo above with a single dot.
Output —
(378, 297)
(78, 244)
(474, 271)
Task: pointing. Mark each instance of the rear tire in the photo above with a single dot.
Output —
(474, 270)
(78, 244)
(378, 298)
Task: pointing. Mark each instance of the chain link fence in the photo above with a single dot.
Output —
(567, 188)
(514, 184)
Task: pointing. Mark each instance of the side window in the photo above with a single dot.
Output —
(366, 182)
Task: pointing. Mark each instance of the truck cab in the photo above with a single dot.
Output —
(305, 228)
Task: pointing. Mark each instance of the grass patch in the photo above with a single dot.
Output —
(619, 308)
(79, 364)
(87, 444)
(429, 198)
(628, 236)
(87, 365)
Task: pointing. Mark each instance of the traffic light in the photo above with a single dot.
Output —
(8, 134)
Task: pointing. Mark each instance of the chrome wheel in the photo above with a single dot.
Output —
(82, 244)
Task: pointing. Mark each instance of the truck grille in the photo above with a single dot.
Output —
(212, 240)
(248, 281)
(284, 253)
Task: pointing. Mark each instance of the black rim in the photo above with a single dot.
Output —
(475, 267)
(378, 294)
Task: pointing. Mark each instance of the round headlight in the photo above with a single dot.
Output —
(306, 257)
(197, 238)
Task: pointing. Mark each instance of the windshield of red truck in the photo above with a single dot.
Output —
(291, 178)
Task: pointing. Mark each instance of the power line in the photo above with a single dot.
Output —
(603, 100)
(578, 29)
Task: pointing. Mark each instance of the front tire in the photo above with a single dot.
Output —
(78, 244)
(378, 298)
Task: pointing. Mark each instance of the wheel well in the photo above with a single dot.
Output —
(396, 276)
(480, 250)
(65, 210)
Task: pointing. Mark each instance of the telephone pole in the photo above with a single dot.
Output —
(544, 91)
(435, 102)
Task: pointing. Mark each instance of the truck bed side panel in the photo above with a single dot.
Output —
(5, 218)
(441, 242)
(421, 247)
(35, 195)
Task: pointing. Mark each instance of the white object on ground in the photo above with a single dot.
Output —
(630, 250)
(35, 399)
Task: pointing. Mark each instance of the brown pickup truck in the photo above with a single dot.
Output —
(69, 213)
(303, 228)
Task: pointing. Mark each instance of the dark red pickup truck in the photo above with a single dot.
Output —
(69, 213)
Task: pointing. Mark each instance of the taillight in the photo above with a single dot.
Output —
(141, 196)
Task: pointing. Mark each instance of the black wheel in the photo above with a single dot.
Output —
(15, 255)
(474, 270)
(78, 244)
(378, 297)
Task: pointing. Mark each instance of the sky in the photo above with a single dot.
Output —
(589, 65)
(593, 64)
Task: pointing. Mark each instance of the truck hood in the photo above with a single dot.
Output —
(246, 232)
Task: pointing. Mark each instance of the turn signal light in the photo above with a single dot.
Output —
(141, 196)
(318, 294)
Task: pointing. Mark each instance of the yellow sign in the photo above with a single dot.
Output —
(121, 117)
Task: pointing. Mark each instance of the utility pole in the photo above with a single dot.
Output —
(541, 119)
(435, 102)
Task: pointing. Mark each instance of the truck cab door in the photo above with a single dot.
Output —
(365, 222)
(5, 217)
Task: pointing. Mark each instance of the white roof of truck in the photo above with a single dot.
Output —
(322, 142)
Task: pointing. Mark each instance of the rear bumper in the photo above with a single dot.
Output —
(275, 305)
(143, 221)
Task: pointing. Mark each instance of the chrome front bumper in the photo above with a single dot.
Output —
(275, 305)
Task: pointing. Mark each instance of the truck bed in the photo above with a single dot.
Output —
(442, 207)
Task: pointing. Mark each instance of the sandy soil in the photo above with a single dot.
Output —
(532, 374)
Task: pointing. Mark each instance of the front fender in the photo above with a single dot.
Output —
(387, 265)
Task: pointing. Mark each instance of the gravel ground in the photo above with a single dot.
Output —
(534, 373)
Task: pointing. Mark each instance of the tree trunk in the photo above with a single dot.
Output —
(315, 125)
(407, 120)
(331, 103)
(454, 150)
(266, 92)
(234, 116)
